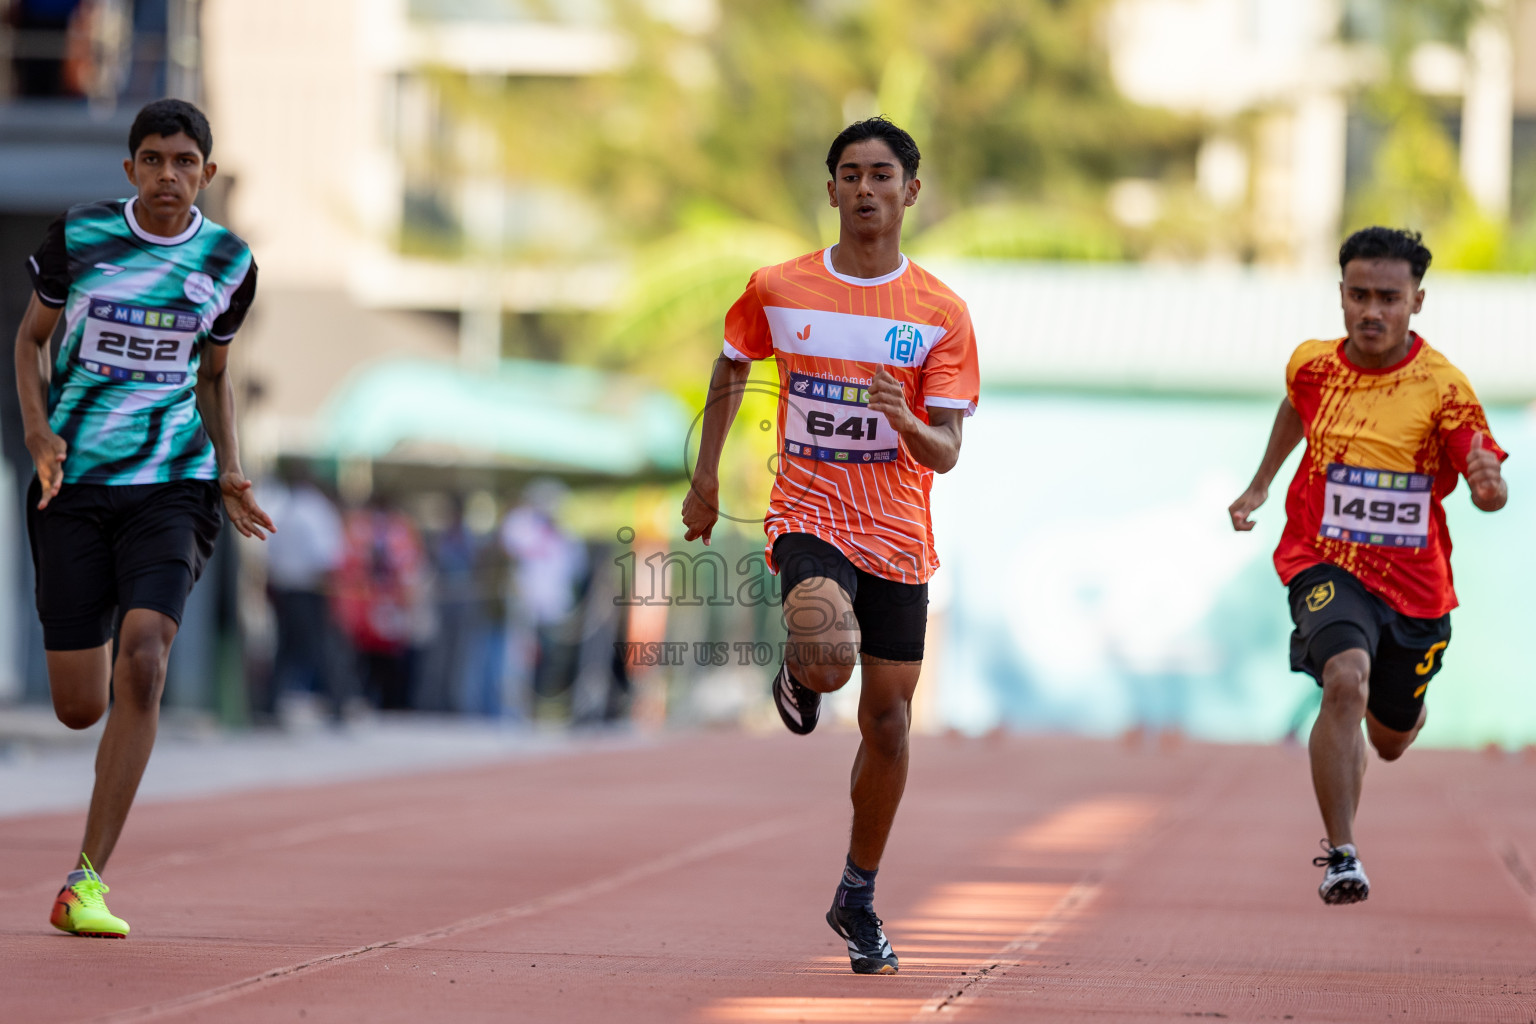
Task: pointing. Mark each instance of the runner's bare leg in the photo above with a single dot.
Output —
(143, 651)
(880, 769)
(1337, 746)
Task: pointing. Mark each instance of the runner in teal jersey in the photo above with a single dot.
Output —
(132, 430)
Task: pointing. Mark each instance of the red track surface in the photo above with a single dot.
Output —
(1028, 879)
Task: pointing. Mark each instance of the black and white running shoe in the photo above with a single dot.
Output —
(868, 949)
(798, 705)
(1344, 880)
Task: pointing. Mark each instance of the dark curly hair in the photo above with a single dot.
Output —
(1380, 243)
(876, 128)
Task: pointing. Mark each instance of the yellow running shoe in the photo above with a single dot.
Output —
(80, 910)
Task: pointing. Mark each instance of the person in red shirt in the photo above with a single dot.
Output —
(877, 370)
(1390, 425)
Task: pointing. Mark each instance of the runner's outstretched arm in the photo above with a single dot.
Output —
(216, 404)
(32, 372)
(1489, 491)
(1284, 436)
(701, 507)
(935, 444)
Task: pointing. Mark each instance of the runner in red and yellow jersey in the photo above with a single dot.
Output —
(1389, 424)
(877, 370)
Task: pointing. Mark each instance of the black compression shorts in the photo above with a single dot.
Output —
(1334, 613)
(892, 616)
(101, 550)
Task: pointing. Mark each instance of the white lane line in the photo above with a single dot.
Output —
(724, 843)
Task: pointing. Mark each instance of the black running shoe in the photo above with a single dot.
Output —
(1344, 881)
(868, 949)
(798, 705)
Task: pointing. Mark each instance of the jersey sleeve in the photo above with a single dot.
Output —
(49, 268)
(228, 322)
(1299, 358)
(747, 335)
(951, 373)
(1462, 418)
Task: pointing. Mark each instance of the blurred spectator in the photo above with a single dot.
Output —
(39, 67)
(601, 692)
(302, 559)
(446, 664)
(485, 672)
(380, 589)
(549, 568)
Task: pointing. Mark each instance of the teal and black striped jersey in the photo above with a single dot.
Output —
(138, 310)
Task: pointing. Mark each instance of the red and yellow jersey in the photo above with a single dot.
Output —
(844, 474)
(1384, 448)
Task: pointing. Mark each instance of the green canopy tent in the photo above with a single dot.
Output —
(522, 415)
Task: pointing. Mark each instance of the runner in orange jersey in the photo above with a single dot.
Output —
(1389, 425)
(877, 370)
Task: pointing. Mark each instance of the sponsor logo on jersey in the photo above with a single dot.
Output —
(139, 316)
(110, 269)
(867, 456)
(198, 287)
(804, 335)
(802, 384)
(906, 343)
(835, 392)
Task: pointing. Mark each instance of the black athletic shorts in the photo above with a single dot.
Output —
(100, 550)
(892, 617)
(1334, 613)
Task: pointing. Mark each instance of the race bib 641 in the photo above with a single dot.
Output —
(830, 421)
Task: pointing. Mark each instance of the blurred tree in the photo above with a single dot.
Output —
(705, 151)
(1415, 176)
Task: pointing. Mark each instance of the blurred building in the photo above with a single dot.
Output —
(383, 219)
(1279, 82)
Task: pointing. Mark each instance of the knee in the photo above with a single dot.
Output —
(884, 730)
(141, 676)
(1346, 687)
(79, 712)
(1391, 744)
(824, 667)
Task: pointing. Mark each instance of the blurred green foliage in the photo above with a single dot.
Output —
(1415, 175)
(705, 152)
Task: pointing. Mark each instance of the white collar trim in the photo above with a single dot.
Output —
(863, 282)
(133, 225)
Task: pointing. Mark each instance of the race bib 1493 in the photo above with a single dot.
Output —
(137, 344)
(830, 421)
(1375, 506)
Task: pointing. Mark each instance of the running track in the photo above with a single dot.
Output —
(684, 881)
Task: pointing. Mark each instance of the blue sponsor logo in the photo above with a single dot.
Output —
(835, 392)
(906, 343)
(818, 389)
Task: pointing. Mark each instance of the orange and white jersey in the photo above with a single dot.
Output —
(844, 474)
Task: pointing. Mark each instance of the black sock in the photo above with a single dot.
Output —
(857, 888)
